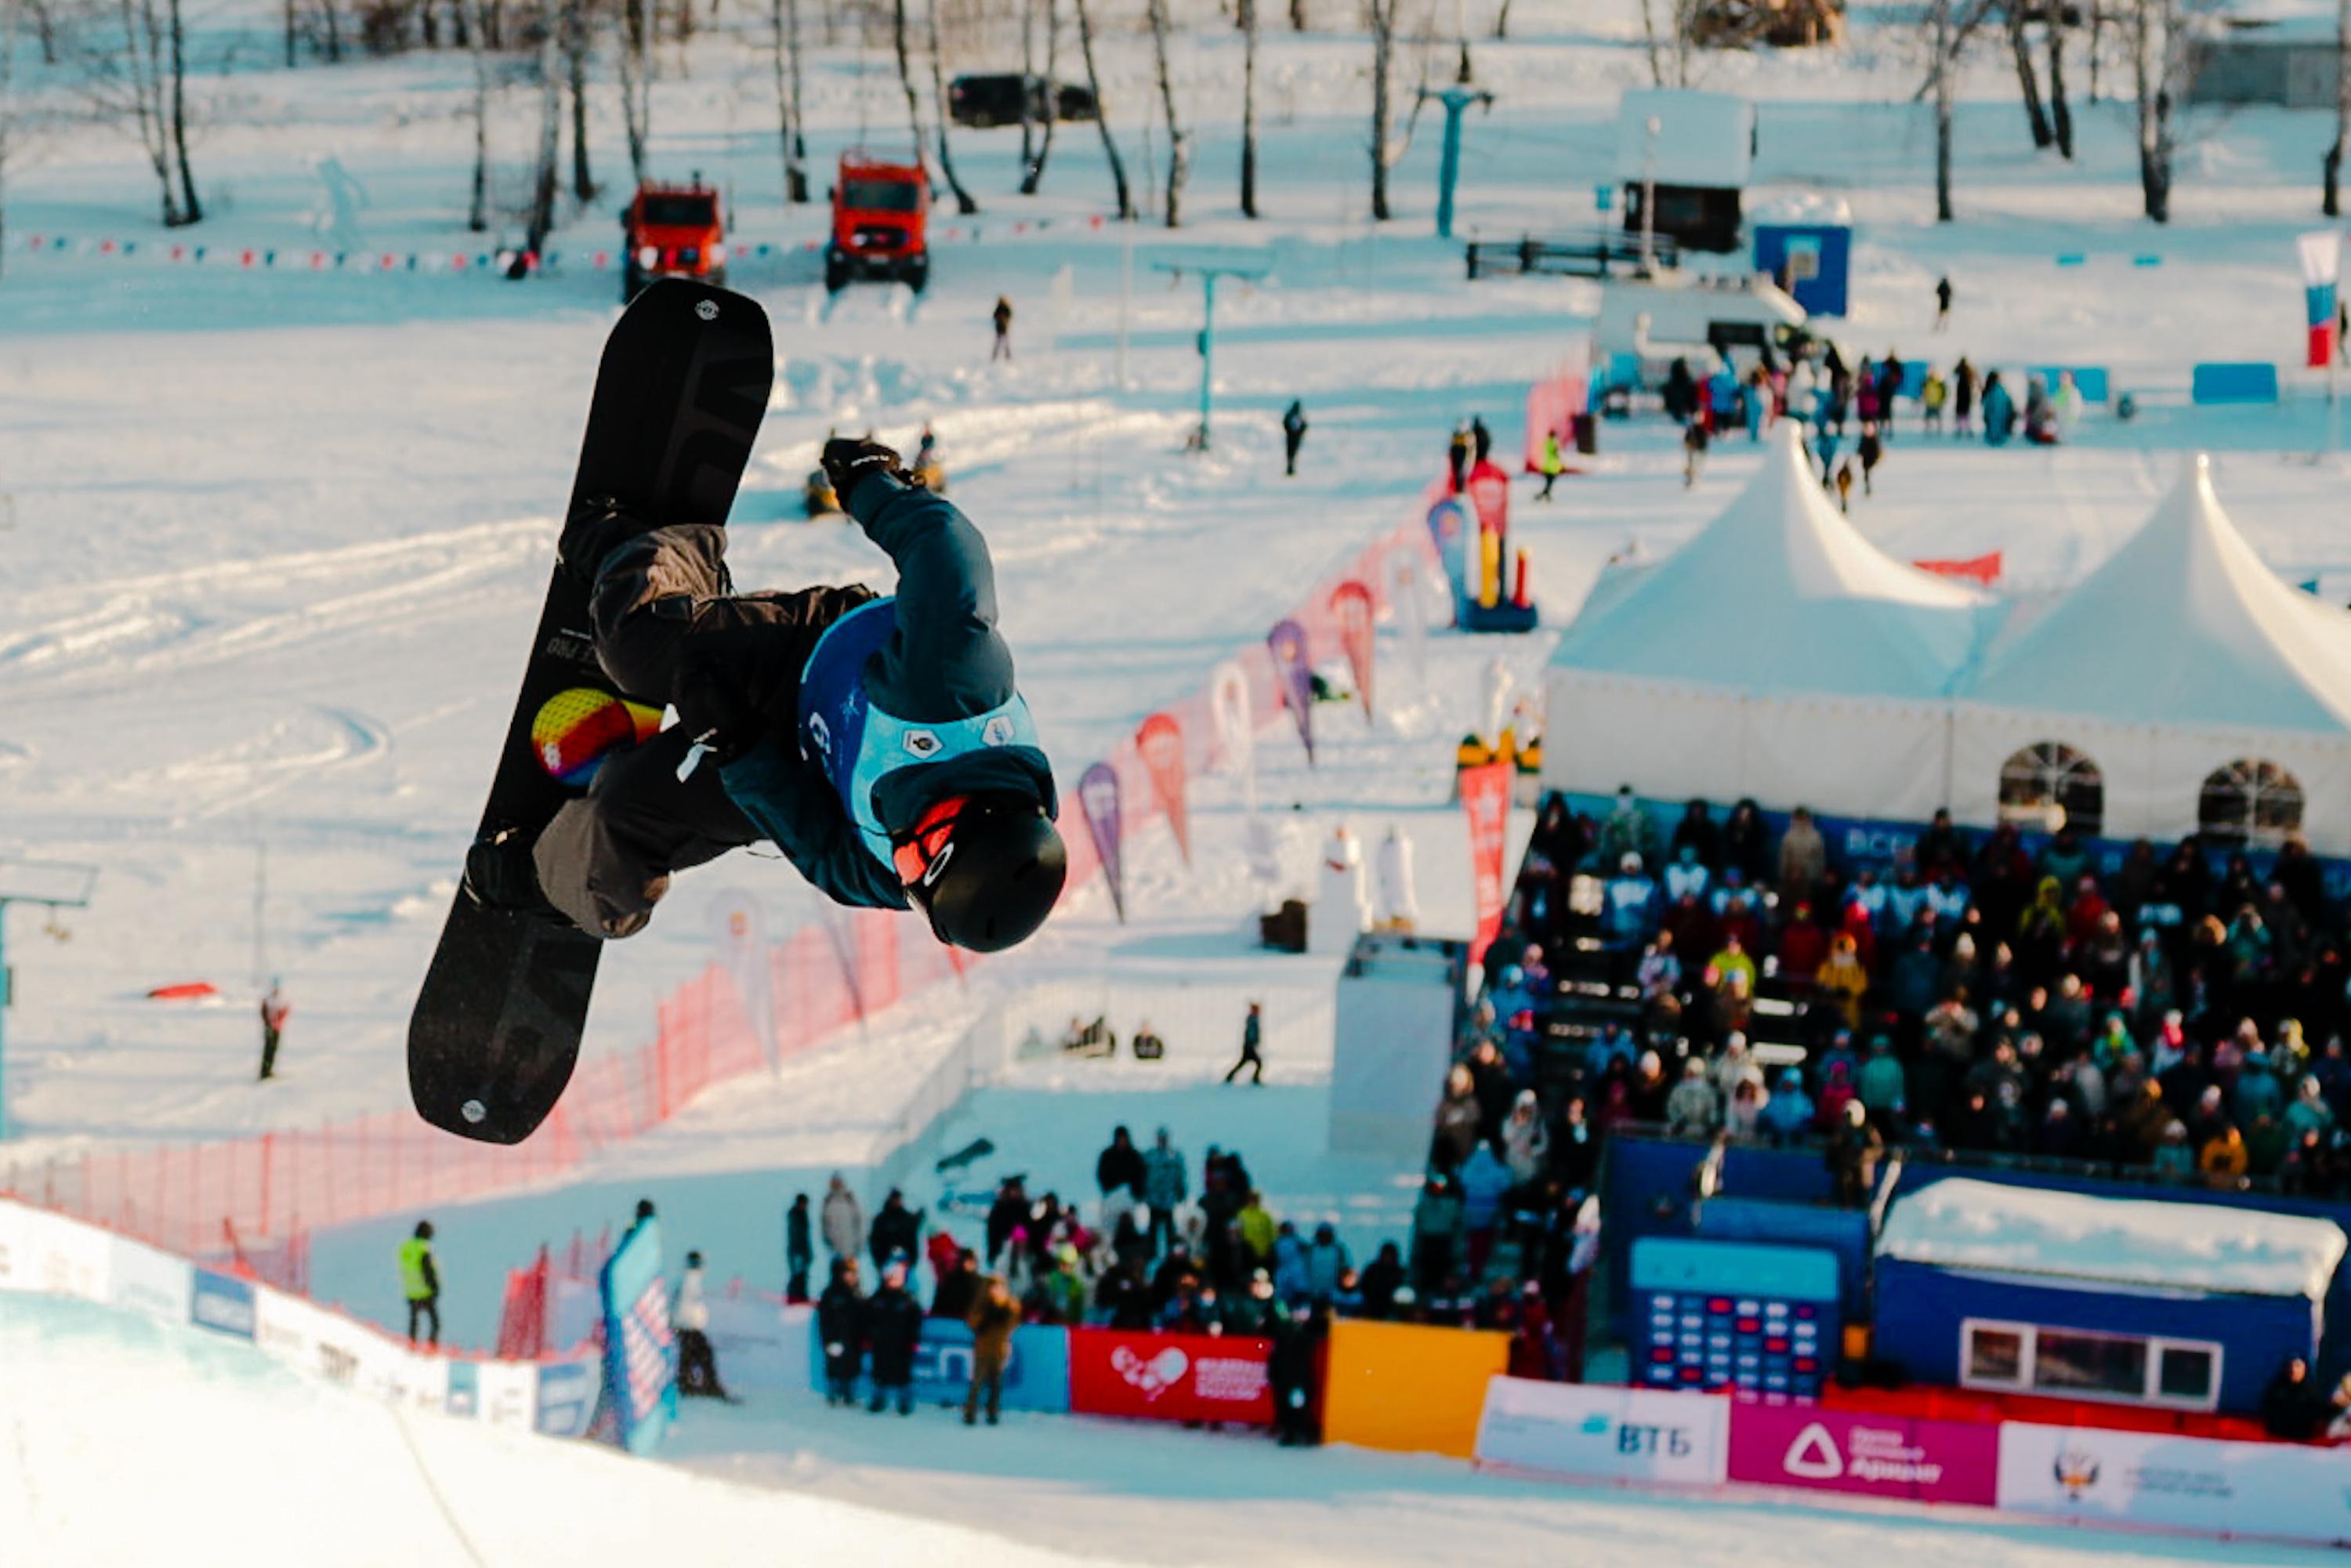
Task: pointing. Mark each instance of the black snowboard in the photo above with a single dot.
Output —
(679, 395)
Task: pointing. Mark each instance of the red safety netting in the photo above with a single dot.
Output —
(256, 1198)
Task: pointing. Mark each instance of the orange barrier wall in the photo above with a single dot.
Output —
(1407, 1387)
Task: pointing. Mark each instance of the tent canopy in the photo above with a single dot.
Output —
(2184, 626)
(1780, 594)
(1966, 1224)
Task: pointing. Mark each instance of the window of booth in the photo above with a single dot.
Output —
(2250, 802)
(2081, 1364)
(2049, 784)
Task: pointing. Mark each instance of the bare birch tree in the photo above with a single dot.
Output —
(1179, 143)
(545, 182)
(1248, 108)
(2331, 197)
(477, 215)
(1032, 172)
(963, 202)
(1101, 114)
(577, 43)
(785, 16)
(2028, 84)
(2159, 37)
(1670, 51)
(636, 63)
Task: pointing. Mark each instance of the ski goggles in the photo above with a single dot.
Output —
(920, 857)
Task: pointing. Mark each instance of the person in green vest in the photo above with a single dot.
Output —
(420, 1282)
(1554, 464)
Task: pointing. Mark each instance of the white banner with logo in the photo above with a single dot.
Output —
(1613, 1433)
(2282, 1491)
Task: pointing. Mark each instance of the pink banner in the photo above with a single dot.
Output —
(1293, 663)
(1983, 568)
(1923, 1461)
(1486, 798)
(1098, 793)
(1160, 742)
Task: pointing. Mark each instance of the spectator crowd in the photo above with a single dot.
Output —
(2169, 1014)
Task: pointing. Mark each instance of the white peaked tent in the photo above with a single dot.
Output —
(1777, 654)
(2182, 654)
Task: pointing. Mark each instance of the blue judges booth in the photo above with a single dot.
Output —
(1727, 1314)
(1812, 261)
(2010, 1289)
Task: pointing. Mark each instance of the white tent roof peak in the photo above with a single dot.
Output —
(2184, 625)
(1781, 593)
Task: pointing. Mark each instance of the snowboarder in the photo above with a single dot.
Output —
(799, 1250)
(993, 1318)
(841, 1327)
(274, 1010)
(1293, 436)
(894, 1328)
(1002, 317)
(420, 1282)
(1554, 464)
(697, 1363)
(1252, 1040)
(1942, 302)
(880, 743)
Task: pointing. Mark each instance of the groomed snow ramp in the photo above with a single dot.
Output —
(131, 1442)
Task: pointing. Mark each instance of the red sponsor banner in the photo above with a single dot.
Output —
(1896, 1457)
(1351, 606)
(1486, 798)
(1169, 1378)
(1983, 568)
(1160, 742)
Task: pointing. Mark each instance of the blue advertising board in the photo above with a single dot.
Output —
(221, 1303)
(1036, 1373)
(465, 1396)
(640, 1352)
(567, 1397)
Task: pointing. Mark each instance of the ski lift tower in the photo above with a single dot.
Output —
(1208, 272)
(55, 885)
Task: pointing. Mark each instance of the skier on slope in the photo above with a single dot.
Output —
(879, 742)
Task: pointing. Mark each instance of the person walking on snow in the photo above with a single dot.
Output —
(274, 1010)
(1252, 1041)
(1869, 449)
(878, 743)
(1942, 302)
(1554, 464)
(1002, 317)
(697, 1363)
(843, 1219)
(1293, 436)
(1694, 440)
(420, 1282)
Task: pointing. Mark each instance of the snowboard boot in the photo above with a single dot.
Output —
(597, 526)
(499, 874)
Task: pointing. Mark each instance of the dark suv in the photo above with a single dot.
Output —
(995, 99)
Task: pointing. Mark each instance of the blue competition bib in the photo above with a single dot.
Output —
(858, 745)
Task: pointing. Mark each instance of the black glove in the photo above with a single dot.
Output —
(716, 711)
(847, 463)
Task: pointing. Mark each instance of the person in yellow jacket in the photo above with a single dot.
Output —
(1256, 1229)
(1554, 464)
(2224, 1159)
(420, 1282)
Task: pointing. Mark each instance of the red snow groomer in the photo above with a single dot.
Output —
(672, 231)
(881, 217)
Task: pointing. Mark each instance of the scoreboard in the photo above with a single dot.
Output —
(1723, 1314)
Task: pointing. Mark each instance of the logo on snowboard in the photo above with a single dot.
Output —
(707, 309)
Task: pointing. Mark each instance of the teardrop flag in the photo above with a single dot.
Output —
(1293, 667)
(1351, 606)
(1098, 793)
(1160, 741)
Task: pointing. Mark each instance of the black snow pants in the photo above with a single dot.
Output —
(661, 599)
